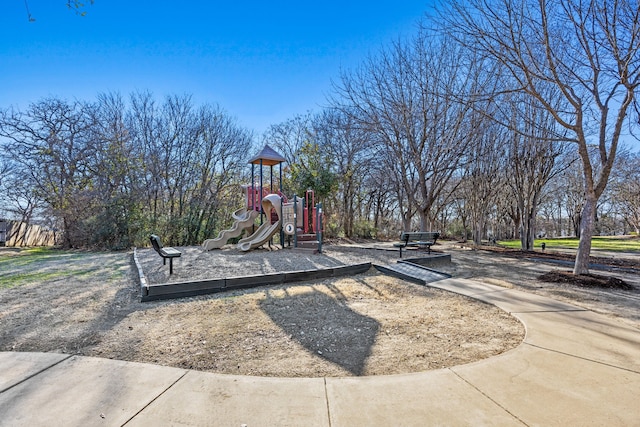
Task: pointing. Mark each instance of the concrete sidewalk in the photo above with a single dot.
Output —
(575, 367)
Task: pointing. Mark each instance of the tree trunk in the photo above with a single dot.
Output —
(477, 234)
(528, 230)
(531, 233)
(424, 220)
(347, 221)
(406, 221)
(587, 224)
(559, 220)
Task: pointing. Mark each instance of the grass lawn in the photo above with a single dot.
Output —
(27, 266)
(605, 243)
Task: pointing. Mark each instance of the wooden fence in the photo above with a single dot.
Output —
(16, 233)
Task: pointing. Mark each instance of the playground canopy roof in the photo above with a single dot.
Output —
(268, 156)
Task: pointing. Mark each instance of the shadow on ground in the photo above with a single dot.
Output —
(338, 334)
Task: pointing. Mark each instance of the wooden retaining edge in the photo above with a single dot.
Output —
(144, 285)
(209, 286)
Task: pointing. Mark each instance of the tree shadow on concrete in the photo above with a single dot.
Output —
(326, 327)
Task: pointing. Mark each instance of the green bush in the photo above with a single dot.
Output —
(364, 230)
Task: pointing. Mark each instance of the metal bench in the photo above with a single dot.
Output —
(165, 253)
(421, 239)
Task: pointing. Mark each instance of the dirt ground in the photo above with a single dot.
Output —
(370, 324)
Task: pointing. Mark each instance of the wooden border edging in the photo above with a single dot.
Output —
(144, 286)
(209, 286)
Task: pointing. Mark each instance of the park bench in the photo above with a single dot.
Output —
(420, 239)
(165, 253)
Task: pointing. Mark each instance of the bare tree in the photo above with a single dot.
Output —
(404, 98)
(109, 174)
(573, 186)
(220, 156)
(164, 137)
(17, 198)
(75, 5)
(347, 146)
(290, 136)
(190, 161)
(78, 6)
(508, 215)
(626, 189)
(533, 159)
(482, 179)
(117, 221)
(6, 168)
(551, 207)
(589, 50)
(50, 143)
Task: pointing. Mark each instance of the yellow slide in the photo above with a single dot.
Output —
(266, 230)
(244, 219)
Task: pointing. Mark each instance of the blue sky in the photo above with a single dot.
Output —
(263, 62)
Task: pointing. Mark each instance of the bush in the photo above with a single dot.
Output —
(364, 230)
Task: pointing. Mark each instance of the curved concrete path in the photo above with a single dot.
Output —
(575, 367)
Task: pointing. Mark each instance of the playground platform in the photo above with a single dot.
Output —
(574, 367)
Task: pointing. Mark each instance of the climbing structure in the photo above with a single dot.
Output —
(300, 218)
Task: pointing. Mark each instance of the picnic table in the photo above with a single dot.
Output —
(420, 239)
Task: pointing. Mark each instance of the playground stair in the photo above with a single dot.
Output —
(307, 243)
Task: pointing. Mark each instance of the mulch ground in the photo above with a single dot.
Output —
(582, 280)
(586, 280)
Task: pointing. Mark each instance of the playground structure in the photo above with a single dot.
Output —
(300, 219)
